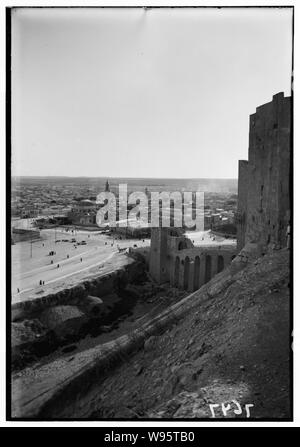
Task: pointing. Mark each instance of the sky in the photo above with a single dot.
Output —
(142, 93)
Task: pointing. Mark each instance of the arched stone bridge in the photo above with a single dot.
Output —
(191, 268)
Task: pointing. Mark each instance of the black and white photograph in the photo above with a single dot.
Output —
(150, 216)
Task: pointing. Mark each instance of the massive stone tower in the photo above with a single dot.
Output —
(264, 180)
(158, 255)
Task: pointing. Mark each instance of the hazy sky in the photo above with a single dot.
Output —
(130, 93)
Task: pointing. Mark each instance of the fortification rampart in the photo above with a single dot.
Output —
(264, 181)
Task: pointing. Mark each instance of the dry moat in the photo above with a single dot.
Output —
(98, 310)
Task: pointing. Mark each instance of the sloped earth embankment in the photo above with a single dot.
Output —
(234, 347)
(229, 345)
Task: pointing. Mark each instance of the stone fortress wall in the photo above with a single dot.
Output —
(263, 215)
(264, 180)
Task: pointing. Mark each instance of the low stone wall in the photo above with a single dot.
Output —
(97, 287)
(20, 235)
(67, 386)
(222, 234)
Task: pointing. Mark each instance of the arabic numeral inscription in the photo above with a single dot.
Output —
(228, 408)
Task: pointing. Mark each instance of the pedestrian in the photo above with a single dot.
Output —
(57, 265)
(80, 259)
(18, 290)
(51, 261)
(288, 236)
(40, 282)
(67, 256)
(43, 282)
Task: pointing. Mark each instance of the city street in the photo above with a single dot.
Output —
(31, 262)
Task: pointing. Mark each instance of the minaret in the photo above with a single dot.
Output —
(107, 189)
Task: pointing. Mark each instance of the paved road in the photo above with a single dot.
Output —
(206, 238)
(31, 263)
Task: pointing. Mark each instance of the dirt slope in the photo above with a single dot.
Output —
(236, 346)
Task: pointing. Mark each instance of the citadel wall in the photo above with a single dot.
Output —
(264, 181)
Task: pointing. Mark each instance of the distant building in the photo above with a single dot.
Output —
(29, 212)
(83, 213)
(216, 219)
(264, 180)
(207, 221)
(22, 234)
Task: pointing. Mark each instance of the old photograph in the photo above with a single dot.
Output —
(150, 240)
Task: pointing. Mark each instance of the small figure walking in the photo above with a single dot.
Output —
(57, 265)
(288, 236)
(80, 259)
(18, 290)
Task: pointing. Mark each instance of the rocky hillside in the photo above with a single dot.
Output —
(223, 351)
(233, 349)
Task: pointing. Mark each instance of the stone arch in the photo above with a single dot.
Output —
(220, 263)
(196, 272)
(186, 273)
(207, 268)
(176, 271)
(182, 245)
